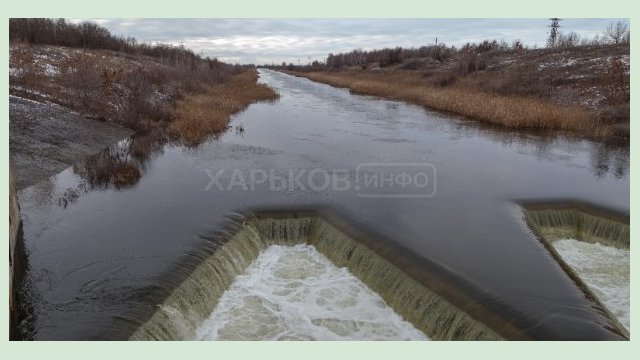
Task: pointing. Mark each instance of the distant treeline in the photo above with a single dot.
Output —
(616, 34)
(89, 35)
(390, 56)
(135, 84)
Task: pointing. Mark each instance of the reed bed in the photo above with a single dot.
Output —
(198, 116)
(509, 111)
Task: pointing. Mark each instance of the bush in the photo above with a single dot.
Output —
(471, 61)
(25, 70)
(617, 81)
(81, 72)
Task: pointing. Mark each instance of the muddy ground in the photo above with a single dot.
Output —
(45, 138)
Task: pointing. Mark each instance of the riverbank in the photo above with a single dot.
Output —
(69, 103)
(510, 111)
(198, 116)
(582, 89)
(45, 138)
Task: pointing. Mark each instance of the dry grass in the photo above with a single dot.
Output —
(139, 93)
(509, 111)
(198, 116)
(142, 93)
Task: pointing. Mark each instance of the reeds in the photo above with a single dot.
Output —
(510, 111)
(197, 116)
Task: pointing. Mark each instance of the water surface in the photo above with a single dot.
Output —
(101, 252)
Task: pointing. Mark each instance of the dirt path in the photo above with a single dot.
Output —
(45, 138)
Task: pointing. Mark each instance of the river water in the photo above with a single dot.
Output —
(101, 250)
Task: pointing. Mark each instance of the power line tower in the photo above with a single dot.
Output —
(553, 33)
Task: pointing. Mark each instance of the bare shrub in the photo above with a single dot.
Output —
(134, 92)
(618, 32)
(81, 72)
(567, 41)
(617, 81)
(25, 70)
(471, 61)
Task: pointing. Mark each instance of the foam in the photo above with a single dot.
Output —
(295, 293)
(605, 269)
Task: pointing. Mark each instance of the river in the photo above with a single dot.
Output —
(100, 255)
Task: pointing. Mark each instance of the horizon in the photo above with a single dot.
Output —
(301, 41)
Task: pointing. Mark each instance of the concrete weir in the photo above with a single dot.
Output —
(555, 222)
(427, 295)
(16, 257)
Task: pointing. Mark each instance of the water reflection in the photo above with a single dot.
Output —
(122, 165)
(608, 157)
(118, 167)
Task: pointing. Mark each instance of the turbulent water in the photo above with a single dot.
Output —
(295, 293)
(605, 269)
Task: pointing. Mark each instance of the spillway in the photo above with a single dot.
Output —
(424, 302)
(296, 293)
(593, 246)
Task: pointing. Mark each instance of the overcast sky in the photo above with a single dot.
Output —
(263, 41)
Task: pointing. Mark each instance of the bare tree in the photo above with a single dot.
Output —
(567, 41)
(617, 32)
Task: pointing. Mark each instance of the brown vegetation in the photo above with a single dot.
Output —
(166, 93)
(91, 36)
(137, 92)
(576, 83)
(111, 78)
(189, 99)
(199, 115)
(510, 111)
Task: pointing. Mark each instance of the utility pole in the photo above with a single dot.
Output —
(553, 33)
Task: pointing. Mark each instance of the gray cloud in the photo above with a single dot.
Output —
(300, 40)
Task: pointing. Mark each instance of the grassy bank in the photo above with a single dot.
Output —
(163, 93)
(187, 102)
(199, 115)
(510, 111)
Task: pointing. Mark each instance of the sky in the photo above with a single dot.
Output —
(299, 41)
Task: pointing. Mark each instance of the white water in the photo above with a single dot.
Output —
(294, 292)
(604, 269)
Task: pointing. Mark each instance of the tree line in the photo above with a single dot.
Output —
(134, 93)
(89, 35)
(617, 33)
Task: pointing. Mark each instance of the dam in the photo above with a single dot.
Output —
(466, 257)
